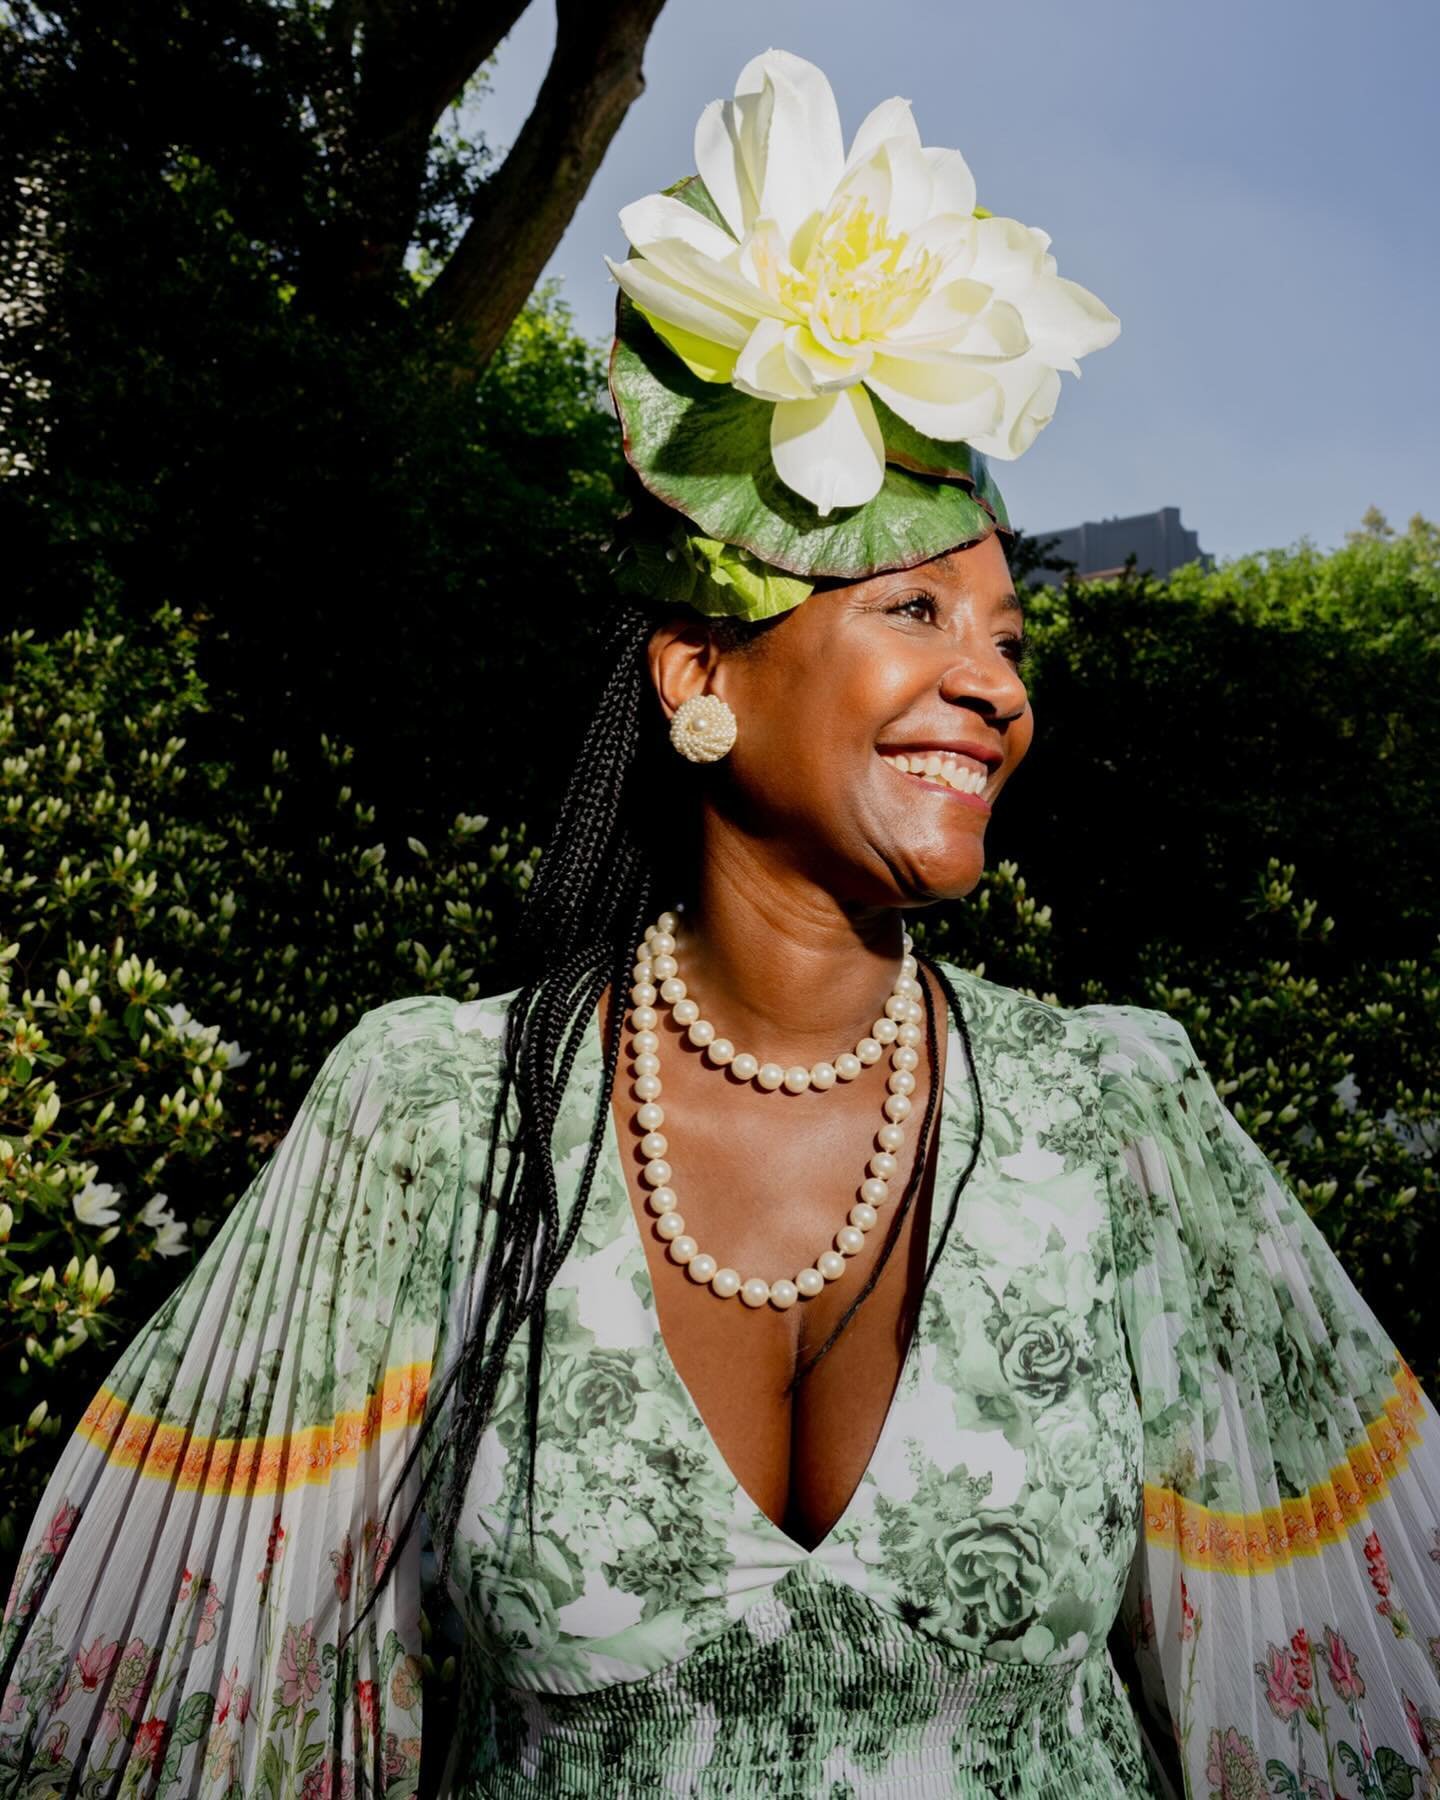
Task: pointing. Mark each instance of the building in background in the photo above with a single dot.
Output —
(1101, 547)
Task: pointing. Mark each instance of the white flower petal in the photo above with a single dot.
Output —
(721, 166)
(950, 401)
(946, 316)
(720, 283)
(1006, 253)
(762, 368)
(824, 369)
(894, 182)
(829, 451)
(954, 184)
(656, 292)
(661, 217)
(890, 119)
(800, 153)
(1066, 320)
(1031, 390)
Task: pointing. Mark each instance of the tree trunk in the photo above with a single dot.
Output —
(521, 214)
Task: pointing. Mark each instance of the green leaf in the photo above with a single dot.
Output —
(193, 1719)
(705, 450)
(1397, 1776)
(20, 1070)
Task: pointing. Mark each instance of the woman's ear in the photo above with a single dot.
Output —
(683, 659)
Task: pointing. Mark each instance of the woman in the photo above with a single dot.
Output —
(822, 1370)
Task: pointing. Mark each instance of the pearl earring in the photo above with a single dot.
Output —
(703, 729)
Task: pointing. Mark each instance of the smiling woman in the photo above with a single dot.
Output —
(823, 1371)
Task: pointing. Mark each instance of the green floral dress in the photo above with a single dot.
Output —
(1155, 1509)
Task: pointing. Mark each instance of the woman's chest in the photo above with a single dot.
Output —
(997, 1510)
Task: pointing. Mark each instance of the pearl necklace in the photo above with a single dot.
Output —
(899, 1028)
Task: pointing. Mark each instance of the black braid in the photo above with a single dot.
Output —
(585, 911)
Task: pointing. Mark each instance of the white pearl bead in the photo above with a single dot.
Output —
(883, 1165)
(796, 1080)
(908, 1034)
(646, 1043)
(917, 1012)
(684, 1249)
(908, 941)
(849, 1240)
(908, 965)
(908, 987)
(890, 1137)
(658, 1173)
(669, 1225)
(663, 1200)
(722, 1051)
(647, 1087)
(863, 1217)
(874, 1192)
(643, 971)
(901, 1082)
(809, 1282)
(755, 1292)
(646, 1064)
(905, 1058)
(725, 1282)
(702, 1268)
(847, 1067)
(831, 1264)
(769, 1075)
(883, 1031)
(823, 1076)
(653, 1145)
(662, 944)
(686, 1012)
(869, 1051)
(650, 1116)
(649, 934)
(645, 1019)
(664, 967)
(666, 922)
(898, 1107)
(672, 990)
(783, 1294)
(701, 1032)
(744, 1066)
(897, 1007)
(643, 993)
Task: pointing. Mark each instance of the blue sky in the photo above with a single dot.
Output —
(1251, 185)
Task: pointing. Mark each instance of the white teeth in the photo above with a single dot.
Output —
(935, 766)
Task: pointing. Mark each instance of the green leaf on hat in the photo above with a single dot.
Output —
(704, 449)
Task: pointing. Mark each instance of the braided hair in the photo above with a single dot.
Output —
(585, 911)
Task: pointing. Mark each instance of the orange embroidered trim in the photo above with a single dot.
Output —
(258, 1465)
(1255, 1543)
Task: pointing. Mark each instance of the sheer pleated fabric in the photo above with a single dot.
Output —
(215, 1524)
(1283, 1608)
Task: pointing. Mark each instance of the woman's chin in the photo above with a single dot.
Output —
(937, 872)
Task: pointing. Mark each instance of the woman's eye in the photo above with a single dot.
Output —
(1016, 648)
(913, 606)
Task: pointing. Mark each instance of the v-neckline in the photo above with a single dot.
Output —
(954, 1128)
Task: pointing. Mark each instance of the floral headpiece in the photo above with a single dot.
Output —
(816, 352)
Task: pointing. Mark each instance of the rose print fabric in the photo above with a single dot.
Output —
(1153, 1511)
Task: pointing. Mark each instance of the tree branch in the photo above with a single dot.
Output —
(594, 78)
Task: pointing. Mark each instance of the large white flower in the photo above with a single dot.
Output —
(836, 273)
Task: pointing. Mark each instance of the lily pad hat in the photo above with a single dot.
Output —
(818, 352)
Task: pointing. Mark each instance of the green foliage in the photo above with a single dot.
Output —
(180, 950)
(1281, 706)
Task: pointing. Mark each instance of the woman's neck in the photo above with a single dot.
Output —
(777, 964)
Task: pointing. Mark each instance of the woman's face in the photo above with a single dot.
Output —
(917, 667)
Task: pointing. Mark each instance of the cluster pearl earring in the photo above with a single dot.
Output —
(703, 729)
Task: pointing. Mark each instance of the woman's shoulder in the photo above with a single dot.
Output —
(1123, 1038)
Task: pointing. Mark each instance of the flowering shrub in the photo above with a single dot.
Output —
(177, 957)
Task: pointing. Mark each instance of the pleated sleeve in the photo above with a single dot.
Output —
(214, 1525)
(1283, 1607)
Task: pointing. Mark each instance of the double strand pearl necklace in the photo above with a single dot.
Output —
(899, 1029)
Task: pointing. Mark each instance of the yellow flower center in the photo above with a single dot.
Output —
(855, 283)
